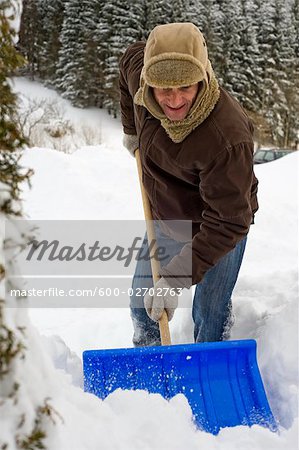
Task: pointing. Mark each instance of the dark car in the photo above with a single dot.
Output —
(263, 155)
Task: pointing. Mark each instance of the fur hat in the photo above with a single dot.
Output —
(175, 56)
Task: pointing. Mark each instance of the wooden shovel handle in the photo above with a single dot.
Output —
(150, 229)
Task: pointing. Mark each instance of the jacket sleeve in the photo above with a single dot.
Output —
(130, 67)
(226, 186)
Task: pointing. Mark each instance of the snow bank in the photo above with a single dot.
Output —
(265, 307)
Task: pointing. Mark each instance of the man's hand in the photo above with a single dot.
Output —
(164, 297)
(130, 141)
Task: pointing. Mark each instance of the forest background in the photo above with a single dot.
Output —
(74, 46)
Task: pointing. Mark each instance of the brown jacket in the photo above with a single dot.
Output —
(208, 178)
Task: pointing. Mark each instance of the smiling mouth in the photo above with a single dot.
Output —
(175, 109)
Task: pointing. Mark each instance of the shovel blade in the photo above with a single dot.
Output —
(221, 380)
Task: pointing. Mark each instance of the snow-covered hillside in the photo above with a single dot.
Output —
(100, 182)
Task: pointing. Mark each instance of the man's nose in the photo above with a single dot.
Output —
(175, 98)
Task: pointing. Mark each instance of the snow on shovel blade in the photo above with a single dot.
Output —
(221, 380)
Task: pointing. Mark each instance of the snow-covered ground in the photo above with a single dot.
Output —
(100, 182)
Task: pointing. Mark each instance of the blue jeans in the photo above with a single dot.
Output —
(212, 305)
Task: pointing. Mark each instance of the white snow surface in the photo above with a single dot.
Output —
(100, 182)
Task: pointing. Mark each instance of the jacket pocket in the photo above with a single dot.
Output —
(147, 133)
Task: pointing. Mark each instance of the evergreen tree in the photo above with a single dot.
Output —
(278, 102)
(192, 12)
(159, 13)
(73, 69)
(273, 39)
(266, 42)
(97, 55)
(292, 91)
(22, 432)
(294, 7)
(246, 83)
(93, 60)
(179, 10)
(120, 27)
(210, 19)
(253, 47)
(187, 11)
(51, 17)
(145, 13)
(30, 36)
(286, 69)
(230, 49)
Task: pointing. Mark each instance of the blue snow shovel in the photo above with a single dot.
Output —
(221, 380)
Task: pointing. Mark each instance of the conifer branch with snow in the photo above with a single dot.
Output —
(24, 419)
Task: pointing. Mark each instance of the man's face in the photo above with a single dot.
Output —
(176, 102)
